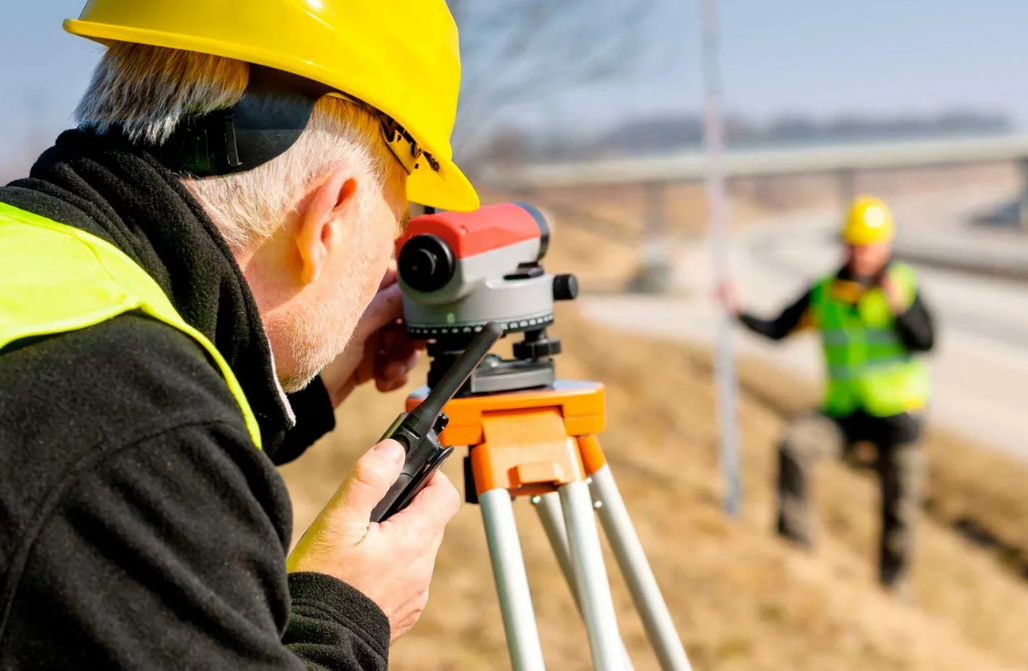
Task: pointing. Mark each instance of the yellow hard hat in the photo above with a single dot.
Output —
(401, 57)
(869, 221)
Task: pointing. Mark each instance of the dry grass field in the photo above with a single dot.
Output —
(741, 598)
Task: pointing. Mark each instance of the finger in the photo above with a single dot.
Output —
(366, 484)
(385, 308)
(393, 336)
(386, 386)
(393, 371)
(398, 354)
(431, 510)
(368, 366)
(402, 349)
(397, 369)
(396, 375)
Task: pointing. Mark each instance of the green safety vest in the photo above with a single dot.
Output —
(55, 278)
(867, 366)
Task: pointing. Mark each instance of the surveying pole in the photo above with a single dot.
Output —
(724, 370)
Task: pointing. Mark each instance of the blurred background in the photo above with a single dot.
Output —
(593, 110)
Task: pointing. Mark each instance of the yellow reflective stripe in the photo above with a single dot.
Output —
(870, 335)
(92, 287)
(879, 336)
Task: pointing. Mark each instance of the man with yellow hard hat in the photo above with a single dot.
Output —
(190, 281)
(873, 323)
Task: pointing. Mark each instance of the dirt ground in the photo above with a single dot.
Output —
(741, 599)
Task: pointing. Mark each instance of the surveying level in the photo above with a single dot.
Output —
(529, 434)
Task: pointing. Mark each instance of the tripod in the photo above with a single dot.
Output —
(541, 444)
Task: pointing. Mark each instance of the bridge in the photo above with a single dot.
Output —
(844, 161)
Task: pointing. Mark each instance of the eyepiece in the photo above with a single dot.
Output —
(426, 263)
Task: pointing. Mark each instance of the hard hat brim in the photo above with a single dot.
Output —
(447, 189)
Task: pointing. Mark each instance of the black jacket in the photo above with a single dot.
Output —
(140, 528)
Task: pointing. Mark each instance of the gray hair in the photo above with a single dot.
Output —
(147, 91)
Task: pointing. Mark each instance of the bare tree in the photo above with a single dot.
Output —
(521, 51)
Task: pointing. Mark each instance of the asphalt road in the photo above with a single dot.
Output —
(980, 365)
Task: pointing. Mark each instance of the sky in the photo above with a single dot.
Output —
(818, 57)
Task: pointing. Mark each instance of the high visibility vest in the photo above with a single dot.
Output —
(56, 278)
(867, 366)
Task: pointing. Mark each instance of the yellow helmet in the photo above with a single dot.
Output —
(869, 221)
(400, 57)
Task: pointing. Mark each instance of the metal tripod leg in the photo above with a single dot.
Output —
(501, 532)
(636, 568)
(552, 517)
(591, 577)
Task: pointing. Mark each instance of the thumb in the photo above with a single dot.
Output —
(367, 483)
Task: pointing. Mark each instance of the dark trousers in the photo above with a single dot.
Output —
(899, 464)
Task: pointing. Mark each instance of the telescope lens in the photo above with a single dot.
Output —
(426, 263)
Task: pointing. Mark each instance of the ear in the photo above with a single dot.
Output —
(325, 221)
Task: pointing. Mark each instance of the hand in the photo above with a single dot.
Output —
(727, 294)
(379, 349)
(392, 562)
(895, 295)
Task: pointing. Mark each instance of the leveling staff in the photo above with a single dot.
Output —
(174, 275)
(873, 321)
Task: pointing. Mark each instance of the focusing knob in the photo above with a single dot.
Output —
(426, 263)
(537, 349)
(441, 423)
(565, 288)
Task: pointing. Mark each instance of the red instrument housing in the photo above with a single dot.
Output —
(470, 233)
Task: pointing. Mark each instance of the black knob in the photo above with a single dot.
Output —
(537, 349)
(426, 263)
(441, 423)
(565, 288)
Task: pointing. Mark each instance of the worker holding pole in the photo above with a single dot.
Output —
(873, 324)
(191, 280)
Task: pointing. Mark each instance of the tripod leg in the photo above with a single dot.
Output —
(591, 577)
(501, 531)
(636, 568)
(552, 517)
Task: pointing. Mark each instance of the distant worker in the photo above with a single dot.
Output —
(872, 322)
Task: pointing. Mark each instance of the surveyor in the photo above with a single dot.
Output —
(873, 323)
(190, 281)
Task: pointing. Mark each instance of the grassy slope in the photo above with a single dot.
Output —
(740, 597)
